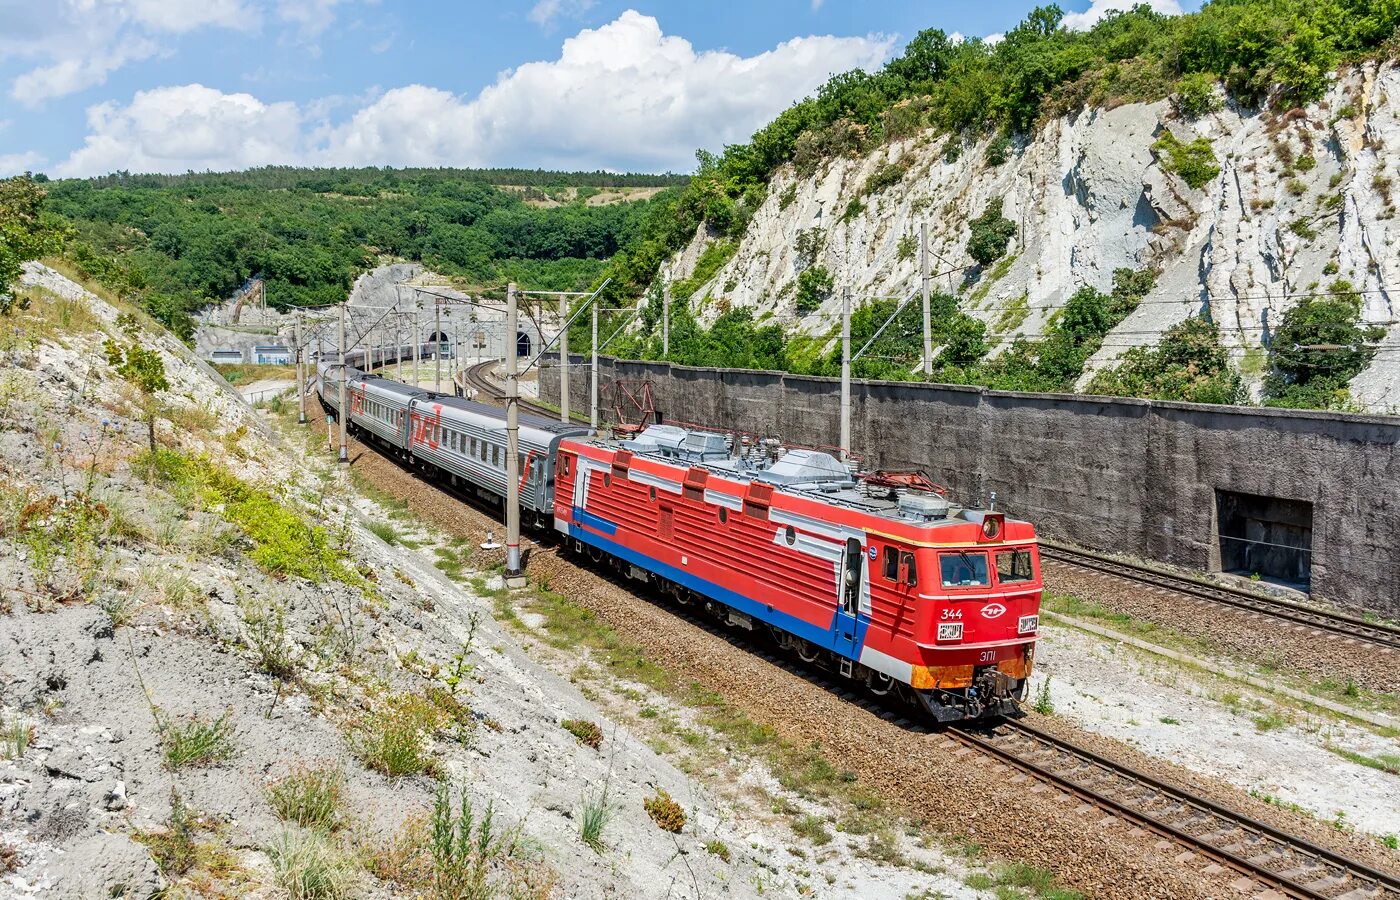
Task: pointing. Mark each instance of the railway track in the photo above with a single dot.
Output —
(1265, 857)
(479, 377)
(1335, 624)
(1288, 865)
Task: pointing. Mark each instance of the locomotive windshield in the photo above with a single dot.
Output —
(964, 569)
(1014, 565)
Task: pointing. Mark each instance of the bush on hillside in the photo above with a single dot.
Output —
(991, 234)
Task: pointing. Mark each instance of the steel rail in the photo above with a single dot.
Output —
(1236, 840)
(1291, 865)
(1339, 624)
(476, 377)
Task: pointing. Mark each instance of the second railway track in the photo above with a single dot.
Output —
(1290, 866)
(1270, 861)
(479, 378)
(1332, 623)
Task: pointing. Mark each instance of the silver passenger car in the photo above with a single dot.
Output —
(467, 440)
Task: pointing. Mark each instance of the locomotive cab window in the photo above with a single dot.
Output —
(889, 565)
(1014, 565)
(964, 569)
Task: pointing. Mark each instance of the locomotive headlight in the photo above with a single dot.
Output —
(1027, 624)
(950, 631)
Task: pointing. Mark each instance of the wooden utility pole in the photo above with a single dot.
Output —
(928, 312)
(514, 577)
(564, 360)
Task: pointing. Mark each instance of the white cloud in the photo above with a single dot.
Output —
(994, 38)
(74, 74)
(19, 163)
(179, 16)
(1083, 21)
(545, 12)
(76, 44)
(817, 4)
(173, 129)
(622, 96)
(310, 16)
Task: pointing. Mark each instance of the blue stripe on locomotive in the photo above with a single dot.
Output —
(821, 637)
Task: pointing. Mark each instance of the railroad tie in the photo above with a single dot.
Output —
(1327, 883)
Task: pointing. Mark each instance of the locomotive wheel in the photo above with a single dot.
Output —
(880, 684)
(807, 651)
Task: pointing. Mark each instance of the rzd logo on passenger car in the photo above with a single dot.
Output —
(993, 611)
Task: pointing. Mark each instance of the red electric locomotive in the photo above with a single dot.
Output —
(893, 587)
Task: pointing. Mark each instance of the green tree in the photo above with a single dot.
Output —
(1318, 349)
(141, 367)
(814, 286)
(991, 234)
(25, 234)
(1188, 364)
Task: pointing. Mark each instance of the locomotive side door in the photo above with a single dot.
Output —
(848, 586)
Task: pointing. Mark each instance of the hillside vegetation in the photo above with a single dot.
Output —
(179, 242)
(1269, 56)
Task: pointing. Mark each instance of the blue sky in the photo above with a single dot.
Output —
(91, 86)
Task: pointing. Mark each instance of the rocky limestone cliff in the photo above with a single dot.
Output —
(1301, 199)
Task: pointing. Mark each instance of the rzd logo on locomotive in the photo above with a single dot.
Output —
(993, 611)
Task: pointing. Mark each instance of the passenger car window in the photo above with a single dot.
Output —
(1014, 565)
(964, 569)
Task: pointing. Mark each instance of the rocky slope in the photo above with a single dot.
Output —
(168, 665)
(1301, 199)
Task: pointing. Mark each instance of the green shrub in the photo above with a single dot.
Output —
(813, 828)
(991, 234)
(284, 543)
(1194, 162)
(908, 246)
(711, 261)
(311, 798)
(665, 812)
(718, 848)
(1189, 364)
(999, 150)
(885, 177)
(393, 740)
(853, 209)
(1195, 95)
(588, 733)
(1318, 348)
(814, 287)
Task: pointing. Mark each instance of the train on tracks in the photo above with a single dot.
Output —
(877, 576)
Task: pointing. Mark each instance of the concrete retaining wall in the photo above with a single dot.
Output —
(1126, 475)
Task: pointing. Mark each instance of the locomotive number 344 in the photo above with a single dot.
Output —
(951, 614)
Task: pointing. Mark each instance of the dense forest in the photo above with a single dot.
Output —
(182, 241)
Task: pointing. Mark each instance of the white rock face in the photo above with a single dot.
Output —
(1301, 199)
